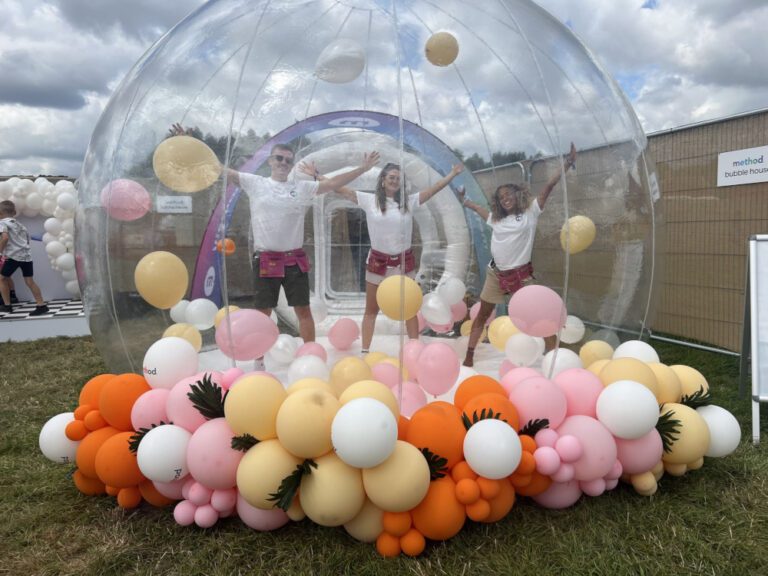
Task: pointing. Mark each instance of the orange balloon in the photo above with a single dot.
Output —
(113, 490)
(479, 510)
(94, 420)
(413, 543)
(402, 427)
(129, 497)
(527, 464)
(91, 390)
(85, 456)
(87, 485)
(475, 385)
(151, 495)
(538, 484)
(440, 515)
(467, 491)
(488, 401)
(438, 427)
(118, 397)
(76, 430)
(388, 545)
(396, 523)
(489, 489)
(227, 245)
(462, 471)
(502, 503)
(83, 409)
(116, 465)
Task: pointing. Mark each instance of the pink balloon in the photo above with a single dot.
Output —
(569, 448)
(343, 333)
(593, 487)
(228, 377)
(179, 407)
(184, 513)
(210, 457)
(547, 460)
(411, 399)
(517, 375)
(537, 310)
(172, 489)
(458, 311)
(386, 373)
(641, 454)
(565, 473)
(312, 349)
(559, 495)
(581, 388)
(537, 398)
(206, 516)
(546, 437)
(422, 322)
(187, 486)
(258, 519)
(473, 311)
(599, 447)
(505, 367)
(438, 368)
(199, 494)
(411, 352)
(125, 200)
(247, 335)
(149, 409)
(440, 328)
(224, 500)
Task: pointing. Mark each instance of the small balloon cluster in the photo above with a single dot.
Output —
(360, 446)
(58, 202)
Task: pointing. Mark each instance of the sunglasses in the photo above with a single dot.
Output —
(281, 158)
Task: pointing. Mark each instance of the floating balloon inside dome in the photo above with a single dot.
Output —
(336, 80)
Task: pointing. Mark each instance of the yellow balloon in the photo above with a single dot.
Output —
(400, 482)
(161, 279)
(442, 49)
(399, 297)
(367, 525)
(372, 389)
(670, 388)
(577, 234)
(629, 369)
(691, 380)
(304, 422)
(348, 371)
(310, 383)
(692, 439)
(595, 350)
(251, 406)
(597, 366)
(185, 164)
(222, 313)
(466, 328)
(373, 358)
(187, 332)
(262, 470)
(333, 493)
(499, 331)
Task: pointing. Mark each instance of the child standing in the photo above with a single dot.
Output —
(14, 246)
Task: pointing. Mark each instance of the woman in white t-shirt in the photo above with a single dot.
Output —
(513, 217)
(390, 227)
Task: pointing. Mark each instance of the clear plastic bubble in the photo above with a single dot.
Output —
(241, 75)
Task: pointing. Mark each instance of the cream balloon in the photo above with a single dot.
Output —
(304, 422)
(341, 61)
(185, 164)
(187, 332)
(367, 525)
(400, 482)
(252, 403)
(399, 297)
(333, 493)
(347, 371)
(223, 313)
(577, 234)
(161, 279)
(262, 470)
(441, 49)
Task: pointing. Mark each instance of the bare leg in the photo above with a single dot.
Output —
(412, 328)
(486, 308)
(369, 317)
(306, 323)
(35, 289)
(5, 290)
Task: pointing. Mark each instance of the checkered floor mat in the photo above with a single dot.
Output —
(57, 309)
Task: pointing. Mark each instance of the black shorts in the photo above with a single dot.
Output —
(267, 290)
(10, 265)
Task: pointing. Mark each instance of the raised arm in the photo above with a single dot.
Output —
(482, 211)
(341, 180)
(570, 161)
(427, 193)
(310, 169)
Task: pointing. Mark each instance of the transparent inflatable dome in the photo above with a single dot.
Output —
(505, 91)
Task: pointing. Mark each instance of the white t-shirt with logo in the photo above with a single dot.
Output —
(391, 232)
(17, 247)
(277, 211)
(512, 238)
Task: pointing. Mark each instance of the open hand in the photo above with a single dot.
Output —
(309, 168)
(370, 160)
(176, 129)
(461, 194)
(457, 169)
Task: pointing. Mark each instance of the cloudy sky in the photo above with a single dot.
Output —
(679, 61)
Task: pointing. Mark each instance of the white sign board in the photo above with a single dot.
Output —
(742, 166)
(174, 205)
(758, 296)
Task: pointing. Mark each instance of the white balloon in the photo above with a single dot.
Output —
(68, 226)
(573, 331)
(283, 351)
(52, 226)
(54, 443)
(20, 202)
(628, 409)
(636, 349)
(5, 190)
(48, 207)
(29, 212)
(318, 308)
(364, 432)
(179, 311)
(48, 237)
(524, 350)
(169, 360)
(25, 187)
(309, 366)
(61, 214)
(451, 290)
(72, 287)
(69, 274)
(201, 313)
(724, 430)
(66, 201)
(55, 249)
(66, 261)
(162, 453)
(607, 335)
(564, 360)
(492, 448)
(34, 201)
(341, 61)
(435, 310)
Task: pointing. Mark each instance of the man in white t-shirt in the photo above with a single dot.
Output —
(278, 206)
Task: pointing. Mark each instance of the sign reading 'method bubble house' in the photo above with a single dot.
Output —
(742, 166)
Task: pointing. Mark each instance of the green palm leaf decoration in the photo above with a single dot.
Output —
(207, 397)
(135, 440)
(438, 466)
(669, 429)
(533, 426)
(698, 399)
(485, 414)
(243, 443)
(285, 494)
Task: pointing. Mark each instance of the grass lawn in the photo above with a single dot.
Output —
(711, 521)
